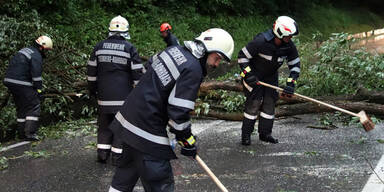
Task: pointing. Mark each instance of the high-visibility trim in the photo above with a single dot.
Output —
(37, 78)
(92, 63)
(15, 81)
(246, 53)
(248, 116)
(248, 69)
(180, 126)
(249, 88)
(173, 100)
(116, 150)
(135, 82)
(136, 66)
(242, 60)
(92, 78)
(104, 146)
(141, 133)
(28, 55)
(295, 69)
(242, 74)
(266, 116)
(293, 62)
(267, 57)
(20, 120)
(110, 103)
(170, 64)
(113, 52)
(39, 90)
(280, 59)
(111, 189)
(31, 118)
(191, 140)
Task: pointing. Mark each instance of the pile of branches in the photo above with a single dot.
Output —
(371, 102)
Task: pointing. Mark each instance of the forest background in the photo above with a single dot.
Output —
(329, 65)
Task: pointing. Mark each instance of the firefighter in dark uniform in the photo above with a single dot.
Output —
(164, 96)
(260, 60)
(169, 38)
(23, 79)
(114, 68)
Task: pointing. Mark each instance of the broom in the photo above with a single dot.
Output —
(210, 173)
(364, 118)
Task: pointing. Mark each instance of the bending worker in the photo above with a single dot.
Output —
(165, 95)
(23, 79)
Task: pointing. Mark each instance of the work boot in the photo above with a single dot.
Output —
(20, 130)
(31, 137)
(102, 155)
(246, 140)
(246, 131)
(268, 138)
(117, 159)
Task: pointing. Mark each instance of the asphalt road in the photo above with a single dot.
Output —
(306, 159)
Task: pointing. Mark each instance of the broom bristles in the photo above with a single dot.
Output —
(366, 121)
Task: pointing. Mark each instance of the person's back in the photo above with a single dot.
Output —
(161, 95)
(114, 67)
(165, 95)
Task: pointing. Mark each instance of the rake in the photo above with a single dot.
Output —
(364, 118)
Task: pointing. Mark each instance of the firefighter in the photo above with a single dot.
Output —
(260, 60)
(23, 79)
(165, 95)
(169, 38)
(114, 67)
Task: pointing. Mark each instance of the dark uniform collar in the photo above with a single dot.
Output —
(116, 37)
(268, 35)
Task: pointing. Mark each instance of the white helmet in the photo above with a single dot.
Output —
(217, 40)
(119, 24)
(45, 42)
(285, 26)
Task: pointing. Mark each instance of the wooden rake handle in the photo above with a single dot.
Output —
(211, 175)
(313, 100)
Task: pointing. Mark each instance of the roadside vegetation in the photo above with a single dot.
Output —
(332, 68)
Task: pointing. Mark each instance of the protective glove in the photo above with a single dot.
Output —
(289, 90)
(40, 94)
(187, 142)
(251, 80)
(188, 147)
(249, 77)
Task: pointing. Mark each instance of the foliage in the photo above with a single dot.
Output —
(341, 69)
(37, 154)
(232, 101)
(3, 163)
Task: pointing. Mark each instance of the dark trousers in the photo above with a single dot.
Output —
(260, 102)
(105, 138)
(155, 174)
(27, 107)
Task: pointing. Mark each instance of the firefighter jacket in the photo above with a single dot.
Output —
(171, 39)
(265, 58)
(165, 95)
(113, 68)
(25, 68)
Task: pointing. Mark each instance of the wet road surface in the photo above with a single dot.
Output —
(306, 159)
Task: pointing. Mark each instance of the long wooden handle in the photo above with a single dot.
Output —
(313, 100)
(210, 173)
